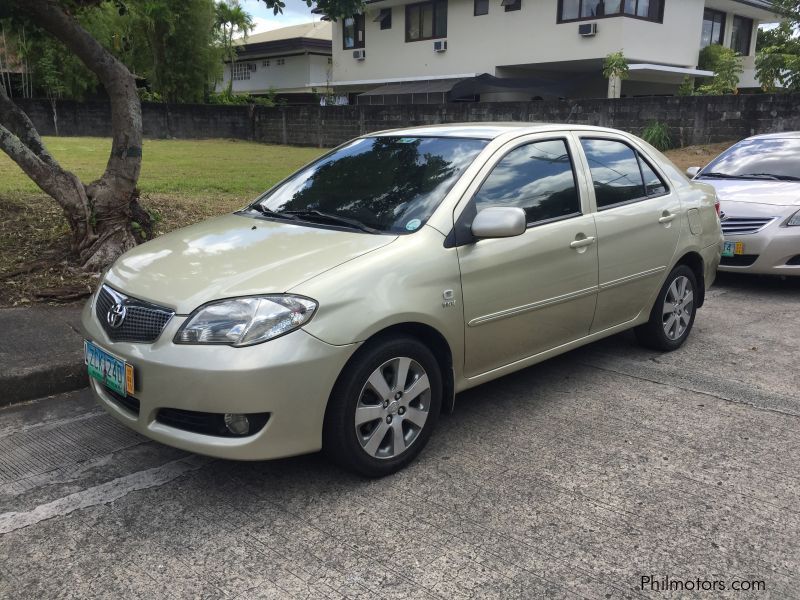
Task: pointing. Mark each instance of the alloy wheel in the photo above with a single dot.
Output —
(392, 408)
(677, 308)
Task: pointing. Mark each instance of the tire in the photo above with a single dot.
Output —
(372, 447)
(673, 313)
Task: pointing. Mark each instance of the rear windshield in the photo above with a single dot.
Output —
(388, 184)
(757, 159)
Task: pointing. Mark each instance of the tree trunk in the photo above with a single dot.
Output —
(99, 214)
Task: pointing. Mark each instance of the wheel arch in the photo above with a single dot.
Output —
(434, 340)
(694, 261)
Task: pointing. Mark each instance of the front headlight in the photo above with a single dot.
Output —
(794, 220)
(245, 321)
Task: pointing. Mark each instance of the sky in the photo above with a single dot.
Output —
(295, 13)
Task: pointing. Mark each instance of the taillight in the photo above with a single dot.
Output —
(716, 205)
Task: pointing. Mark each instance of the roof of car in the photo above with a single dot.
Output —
(777, 136)
(480, 130)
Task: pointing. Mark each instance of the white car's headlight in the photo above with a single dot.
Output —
(246, 321)
(794, 220)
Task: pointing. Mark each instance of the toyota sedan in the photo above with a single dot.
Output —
(758, 185)
(344, 308)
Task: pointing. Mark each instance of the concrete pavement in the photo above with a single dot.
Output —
(574, 478)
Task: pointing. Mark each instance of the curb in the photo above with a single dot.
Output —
(21, 387)
(41, 352)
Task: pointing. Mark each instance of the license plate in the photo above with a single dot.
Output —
(109, 370)
(733, 248)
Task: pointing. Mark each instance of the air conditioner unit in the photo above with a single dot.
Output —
(440, 46)
(587, 29)
(360, 54)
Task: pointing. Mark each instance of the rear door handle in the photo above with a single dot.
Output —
(587, 241)
(666, 218)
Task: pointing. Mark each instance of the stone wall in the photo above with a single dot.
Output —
(692, 120)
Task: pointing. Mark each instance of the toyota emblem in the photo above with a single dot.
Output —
(116, 315)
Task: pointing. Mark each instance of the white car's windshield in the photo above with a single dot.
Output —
(379, 184)
(771, 158)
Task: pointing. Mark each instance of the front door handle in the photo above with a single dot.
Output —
(587, 241)
(666, 218)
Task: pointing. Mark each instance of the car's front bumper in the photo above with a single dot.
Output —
(774, 250)
(290, 377)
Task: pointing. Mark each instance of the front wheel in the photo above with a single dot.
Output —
(384, 407)
(673, 314)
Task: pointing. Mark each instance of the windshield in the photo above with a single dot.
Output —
(765, 158)
(381, 184)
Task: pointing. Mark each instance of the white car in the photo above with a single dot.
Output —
(758, 186)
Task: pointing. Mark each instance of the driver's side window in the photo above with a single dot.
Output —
(537, 177)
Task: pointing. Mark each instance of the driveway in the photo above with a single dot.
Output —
(575, 478)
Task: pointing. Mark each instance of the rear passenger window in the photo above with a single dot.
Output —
(537, 177)
(653, 185)
(619, 173)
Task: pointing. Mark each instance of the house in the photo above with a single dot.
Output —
(294, 62)
(400, 52)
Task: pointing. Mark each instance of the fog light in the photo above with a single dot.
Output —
(237, 424)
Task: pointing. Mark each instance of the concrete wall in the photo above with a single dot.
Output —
(692, 120)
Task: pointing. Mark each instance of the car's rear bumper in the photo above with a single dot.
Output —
(290, 378)
(773, 251)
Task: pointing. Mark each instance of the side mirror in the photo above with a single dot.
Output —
(499, 222)
(692, 172)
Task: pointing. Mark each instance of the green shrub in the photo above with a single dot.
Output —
(657, 135)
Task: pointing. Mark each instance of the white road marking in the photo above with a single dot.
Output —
(103, 493)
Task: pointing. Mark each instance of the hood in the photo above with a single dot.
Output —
(773, 193)
(232, 256)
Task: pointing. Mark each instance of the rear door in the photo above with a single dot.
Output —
(527, 294)
(638, 225)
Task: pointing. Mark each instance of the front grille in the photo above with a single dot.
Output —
(745, 225)
(740, 260)
(206, 423)
(129, 403)
(142, 322)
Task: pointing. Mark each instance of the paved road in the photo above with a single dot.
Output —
(574, 478)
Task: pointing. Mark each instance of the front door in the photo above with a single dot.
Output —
(527, 294)
(638, 225)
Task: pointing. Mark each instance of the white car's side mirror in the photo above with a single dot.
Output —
(499, 222)
(692, 172)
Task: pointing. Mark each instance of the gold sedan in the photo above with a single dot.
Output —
(345, 307)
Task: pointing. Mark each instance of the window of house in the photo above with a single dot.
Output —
(510, 5)
(713, 31)
(741, 34)
(353, 32)
(619, 173)
(537, 177)
(426, 20)
(481, 8)
(384, 18)
(265, 63)
(576, 10)
(330, 60)
(241, 70)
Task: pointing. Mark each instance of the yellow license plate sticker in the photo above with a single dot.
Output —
(733, 248)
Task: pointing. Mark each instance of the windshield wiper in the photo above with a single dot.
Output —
(318, 215)
(721, 175)
(771, 176)
(271, 213)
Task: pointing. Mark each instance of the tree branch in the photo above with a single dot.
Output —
(17, 122)
(125, 160)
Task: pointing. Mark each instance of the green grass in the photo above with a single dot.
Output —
(183, 167)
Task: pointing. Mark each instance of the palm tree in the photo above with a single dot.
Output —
(231, 18)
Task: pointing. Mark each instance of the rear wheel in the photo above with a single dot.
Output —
(384, 407)
(673, 314)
